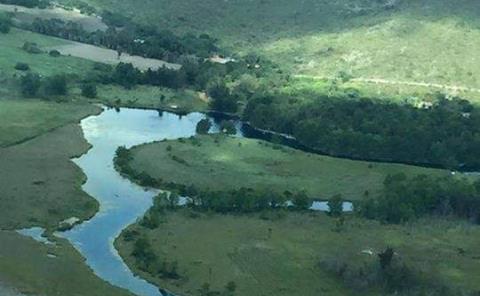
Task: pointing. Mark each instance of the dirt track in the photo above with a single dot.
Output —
(456, 88)
(109, 56)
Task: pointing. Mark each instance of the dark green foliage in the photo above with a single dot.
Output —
(5, 23)
(386, 258)
(392, 277)
(126, 75)
(301, 201)
(447, 135)
(407, 198)
(132, 38)
(22, 67)
(31, 47)
(30, 84)
(89, 90)
(222, 100)
(335, 205)
(203, 126)
(54, 53)
(149, 262)
(27, 3)
(56, 85)
(228, 127)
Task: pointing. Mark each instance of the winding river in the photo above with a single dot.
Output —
(121, 201)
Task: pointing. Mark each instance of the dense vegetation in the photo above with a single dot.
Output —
(408, 198)
(131, 38)
(446, 135)
(27, 3)
(32, 85)
(5, 23)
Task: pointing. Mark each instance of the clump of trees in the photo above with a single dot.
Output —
(446, 135)
(147, 260)
(22, 67)
(406, 198)
(31, 47)
(27, 3)
(5, 23)
(89, 90)
(32, 85)
(203, 126)
(132, 38)
(388, 273)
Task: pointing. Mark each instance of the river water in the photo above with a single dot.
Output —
(121, 201)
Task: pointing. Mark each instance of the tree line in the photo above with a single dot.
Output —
(406, 198)
(27, 3)
(132, 38)
(445, 135)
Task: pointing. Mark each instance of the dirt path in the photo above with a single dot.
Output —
(109, 56)
(23, 14)
(455, 88)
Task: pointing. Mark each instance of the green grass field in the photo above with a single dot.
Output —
(11, 53)
(433, 41)
(289, 255)
(30, 267)
(234, 163)
(24, 119)
(40, 185)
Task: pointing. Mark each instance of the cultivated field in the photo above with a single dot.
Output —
(223, 163)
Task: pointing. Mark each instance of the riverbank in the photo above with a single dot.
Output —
(41, 187)
(222, 163)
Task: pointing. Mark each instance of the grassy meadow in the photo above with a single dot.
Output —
(291, 254)
(34, 268)
(218, 162)
(432, 41)
(11, 53)
(25, 119)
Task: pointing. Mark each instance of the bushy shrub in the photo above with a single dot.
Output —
(22, 67)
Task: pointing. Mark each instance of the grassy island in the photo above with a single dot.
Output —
(222, 163)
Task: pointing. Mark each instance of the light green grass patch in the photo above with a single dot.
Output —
(25, 119)
(35, 268)
(223, 163)
(11, 53)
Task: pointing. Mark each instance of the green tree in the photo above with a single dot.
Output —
(56, 85)
(301, 201)
(203, 126)
(228, 127)
(89, 90)
(30, 84)
(5, 24)
(335, 205)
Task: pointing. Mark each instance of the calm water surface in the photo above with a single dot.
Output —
(121, 201)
